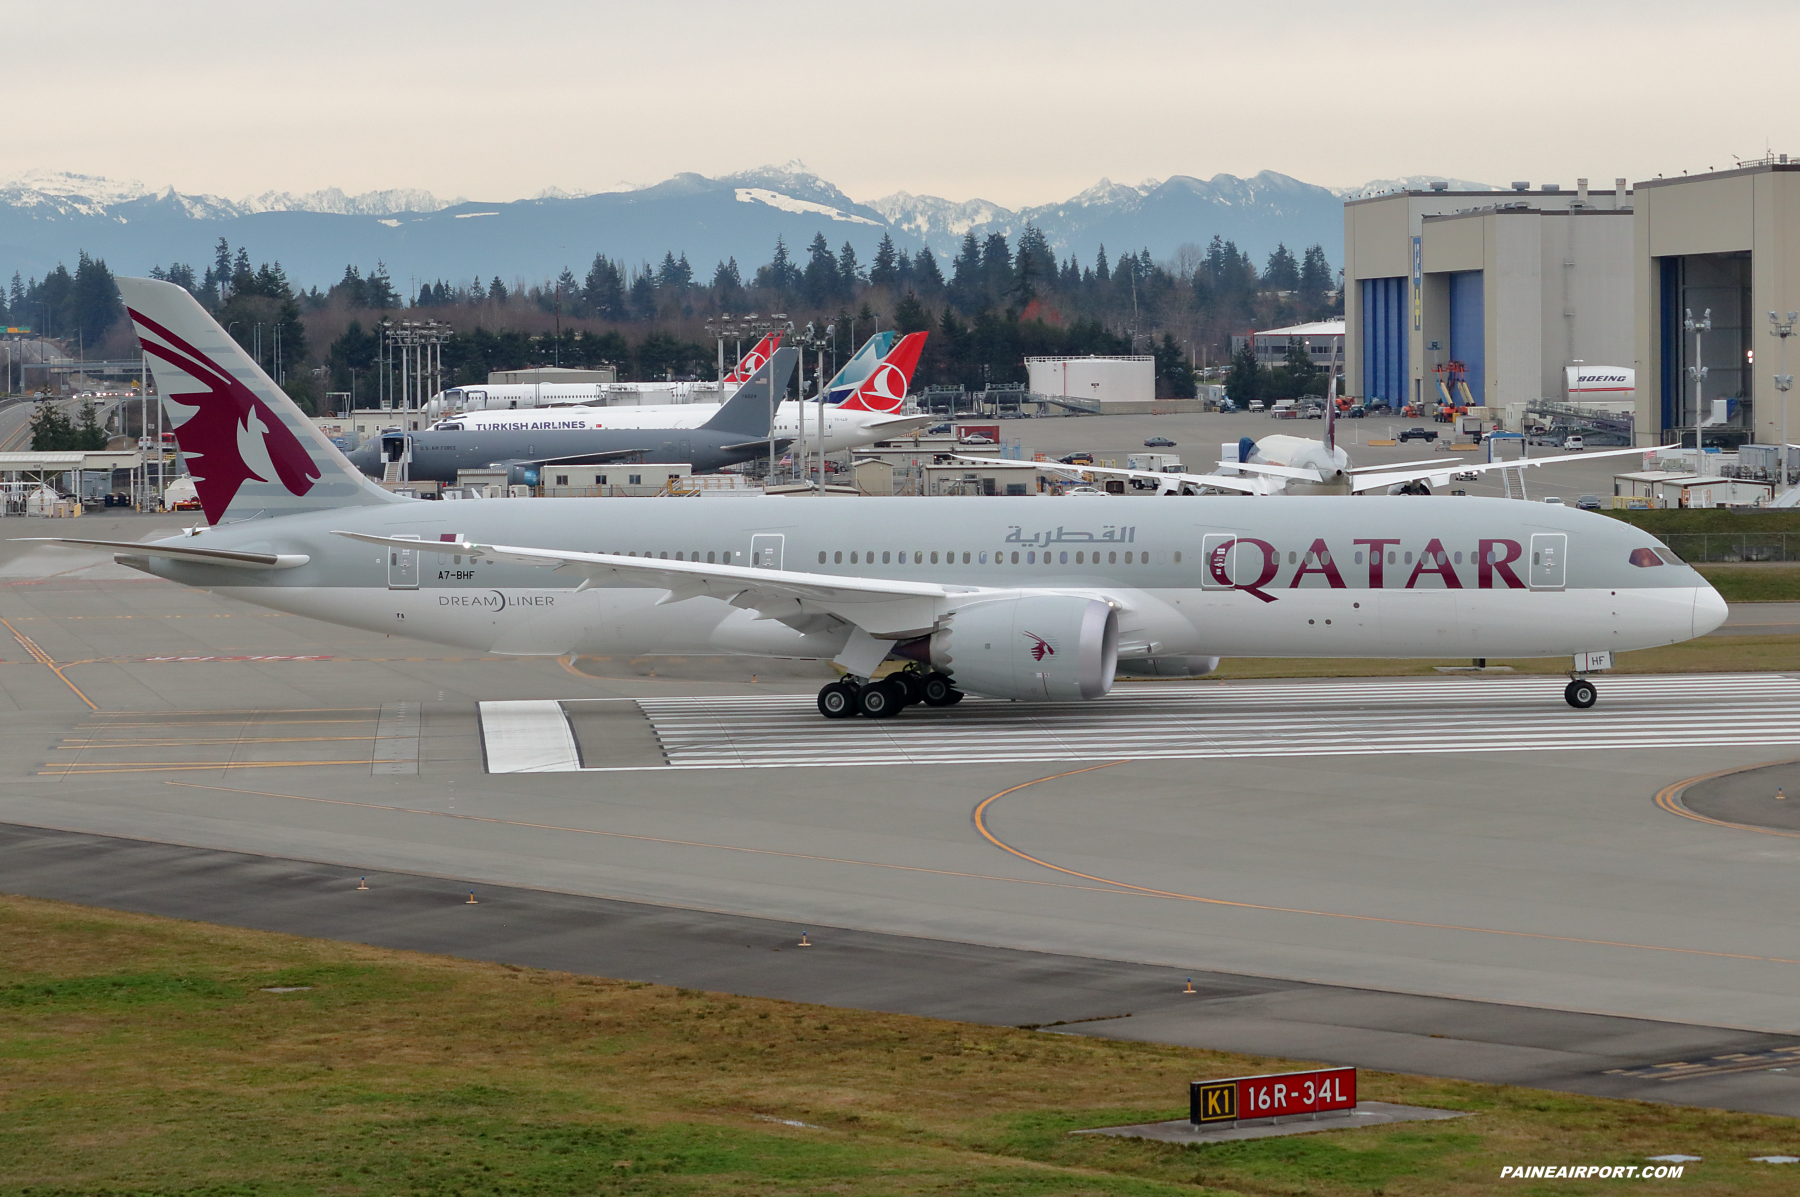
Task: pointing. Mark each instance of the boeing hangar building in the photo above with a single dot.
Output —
(1514, 287)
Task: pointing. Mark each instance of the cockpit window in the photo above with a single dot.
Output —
(1645, 558)
(1669, 556)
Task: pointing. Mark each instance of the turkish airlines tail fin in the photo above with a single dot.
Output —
(252, 453)
(862, 363)
(884, 390)
(753, 361)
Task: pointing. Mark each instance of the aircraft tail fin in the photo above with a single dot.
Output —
(862, 363)
(251, 451)
(746, 413)
(753, 361)
(884, 390)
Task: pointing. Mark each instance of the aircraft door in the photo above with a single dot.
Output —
(1549, 560)
(474, 400)
(403, 566)
(1223, 557)
(765, 550)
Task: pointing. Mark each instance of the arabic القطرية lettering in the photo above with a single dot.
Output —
(1111, 534)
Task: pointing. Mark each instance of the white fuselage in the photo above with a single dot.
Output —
(518, 396)
(1302, 578)
(1304, 453)
(842, 429)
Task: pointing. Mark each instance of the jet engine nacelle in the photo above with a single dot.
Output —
(1168, 666)
(1055, 647)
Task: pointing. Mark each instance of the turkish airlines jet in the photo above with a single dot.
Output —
(874, 410)
(1012, 598)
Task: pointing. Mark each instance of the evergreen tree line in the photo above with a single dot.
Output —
(1000, 303)
(1296, 377)
(53, 432)
(81, 307)
(1001, 300)
(260, 310)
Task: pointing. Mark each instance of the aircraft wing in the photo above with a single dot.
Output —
(884, 608)
(597, 457)
(1380, 477)
(195, 556)
(1398, 465)
(899, 424)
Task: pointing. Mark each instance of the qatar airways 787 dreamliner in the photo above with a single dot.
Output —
(1016, 598)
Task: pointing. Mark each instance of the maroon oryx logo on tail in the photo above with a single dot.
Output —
(1040, 647)
(233, 437)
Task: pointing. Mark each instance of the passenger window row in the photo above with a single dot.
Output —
(723, 557)
(1003, 557)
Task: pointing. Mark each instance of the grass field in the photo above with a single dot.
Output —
(145, 1056)
(1726, 520)
(1754, 583)
(1717, 654)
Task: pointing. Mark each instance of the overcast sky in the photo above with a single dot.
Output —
(1015, 103)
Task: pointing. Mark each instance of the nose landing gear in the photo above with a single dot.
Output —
(1580, 694)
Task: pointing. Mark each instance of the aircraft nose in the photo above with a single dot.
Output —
(1709, 610)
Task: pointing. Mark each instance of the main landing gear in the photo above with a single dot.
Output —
(1580, 694)
(888, 697)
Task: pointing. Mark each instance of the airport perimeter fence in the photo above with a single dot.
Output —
(1719, 547)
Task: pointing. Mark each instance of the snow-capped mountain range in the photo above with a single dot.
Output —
(49, 216)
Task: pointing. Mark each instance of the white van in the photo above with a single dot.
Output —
(1573, 444)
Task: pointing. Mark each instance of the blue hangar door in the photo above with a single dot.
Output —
(1468, 329)
(1384, 325)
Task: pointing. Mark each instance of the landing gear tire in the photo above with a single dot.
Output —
(1580, 694)
(881, 700)
(838, 701)
(938, 691)
(911, 685)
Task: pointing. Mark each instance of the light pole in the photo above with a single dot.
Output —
(1784, 382)
(1697, 372)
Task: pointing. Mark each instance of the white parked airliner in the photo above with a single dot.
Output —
(874, 411)
(1013, 598)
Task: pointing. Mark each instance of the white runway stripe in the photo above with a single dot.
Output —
(527, 737)
(1227, 719)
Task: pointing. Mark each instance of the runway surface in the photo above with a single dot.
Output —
(1390, 844)
(1241, 719)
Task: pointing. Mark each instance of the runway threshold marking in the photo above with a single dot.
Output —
(656, 839)
(43, 658)
(1669, 798)
(979, 817)
(1361, 717)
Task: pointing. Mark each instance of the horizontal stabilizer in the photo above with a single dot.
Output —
(225, 557)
